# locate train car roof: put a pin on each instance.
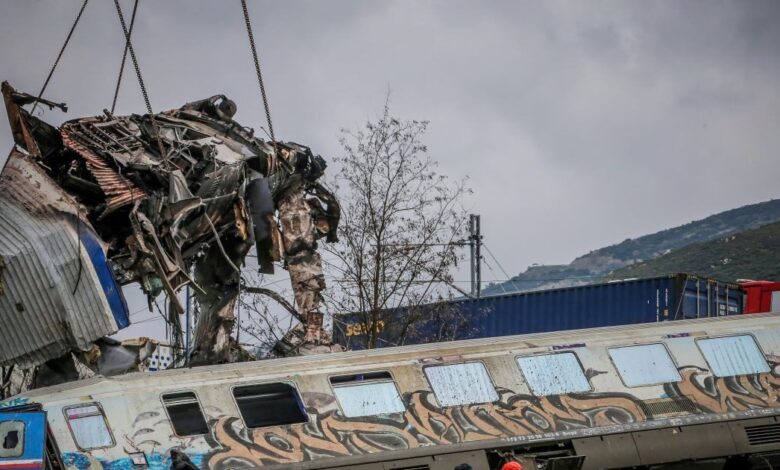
(335, 362)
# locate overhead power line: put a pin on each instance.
(496, 260)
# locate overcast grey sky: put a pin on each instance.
(579, 123)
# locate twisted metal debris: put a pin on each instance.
(179, 198)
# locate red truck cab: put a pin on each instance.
(761, 296)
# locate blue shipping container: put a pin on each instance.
(673, 297)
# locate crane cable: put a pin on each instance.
(259, 75)
(59, 56)
(124, 57)
(129, 46)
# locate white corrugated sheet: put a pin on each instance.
(45, 310)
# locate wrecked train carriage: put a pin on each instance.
(57, 292)
(189, 188)
(695, 393)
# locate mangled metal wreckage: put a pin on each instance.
(166, 200)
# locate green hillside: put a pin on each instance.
(752, 254)
(710, 228)
(597, 264)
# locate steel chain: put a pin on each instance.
(259, 74)
(124, 58)
(129, 44)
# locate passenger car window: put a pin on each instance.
(185, 414)
(11, 439)
(645, 364)
(88, 426)
(733, 355)
(461, 384)
(368, 394)
(553, 374)
(269, 405)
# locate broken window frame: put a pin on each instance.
(446, 364)
(556, 353)
(20, 437)
(196, 401)
(100, 413)
(297, 396)
(369, 378)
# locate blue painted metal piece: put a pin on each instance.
(673, 297)
(155, 461)
(114, 296)
(27, 432)
(13, 402)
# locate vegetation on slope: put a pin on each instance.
(597, 264)
(752, 254)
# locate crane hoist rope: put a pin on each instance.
(124, 57)
(129, 46)
(59, 56)
(259, 72)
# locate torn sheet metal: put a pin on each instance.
(58, 294)
(179, 198)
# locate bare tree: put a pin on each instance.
(401, 225)
(268, 316)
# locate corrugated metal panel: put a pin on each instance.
(119, 190)
(616, 303)
(53, 297)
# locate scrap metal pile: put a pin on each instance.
(165, 200)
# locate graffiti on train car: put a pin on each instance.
(424, 423)
(728, 394)
(331, 434)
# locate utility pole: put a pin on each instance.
(187, 330)
(475, 242)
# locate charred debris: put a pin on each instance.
(164, 200)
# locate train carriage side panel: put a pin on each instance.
(478, 395)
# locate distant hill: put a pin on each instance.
(596, 265)
(752, 254)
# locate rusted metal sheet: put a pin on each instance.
(119, 190)
(57, 293)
